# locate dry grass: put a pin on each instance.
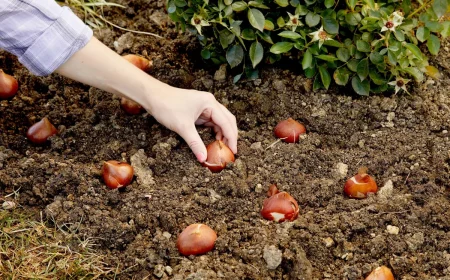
(32, 249)
(93, 14)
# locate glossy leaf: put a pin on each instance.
(257, 4)
(329, 3)
(341, 76)
(268, 25)
(422, 33)
(256, 53)
(362, 46)
(282, 3)
(281, 47)
(343, 54)
(239, 6)
(327, 57)
(325, 77)
(330, 25)
(312, 19)
(363, 69)
(235, 55)
(433, 44)
(289, 34)
(361, 87)
(414, 50)
(256, 19)
(440, 7)
(307, 60)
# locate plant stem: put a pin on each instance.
(423, 6)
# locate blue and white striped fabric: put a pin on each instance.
(42, 34)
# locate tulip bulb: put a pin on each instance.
(360, 185)
(219, 155)
(289, 130)
(8, 85)
(380, 273)
(130, 106)
(140, 62)
(39, 132)
(196, 239)
(117, 174)
(280, 206)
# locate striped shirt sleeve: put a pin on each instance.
(42, 34)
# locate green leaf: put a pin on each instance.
(434, 26)
(415, 50)
(180, 3)
(333, 43)
(326, 57)
(310, 72)
(362, 46)
(370, 3)
(376, 78)
(256, 19)
(307, 60)
(325, 76)
(329, 3)
(433, 44)
(317, 84)
(282, 3)
(353, 18)
(406, 6)
(301, 10)
(281, 22)
(289, 34)
(415, 72)
(237, 78)
(206, 54)
(239, 6)
(376, 58)
(343, 54)
(445, 29)
(226, 38)
(257, 4)
(265, 37)
(440, 7)
(391, 58)
(228, 2)
(330, 25)
(352, 4)
(399, 35)
(352, 64)
(171, 7)
(256, 53)
(361, 87)
(235, 55)
(312, 19)
(281, 47)
(248, 34)
(422, 33)
(341, 76)
(363, 69)
(268, 25)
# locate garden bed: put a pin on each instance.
(402, 139)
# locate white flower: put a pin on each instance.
(320, 36)
(399, 83)
(198, 22)
(293, 21)
(394, 20)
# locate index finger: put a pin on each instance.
(228, 127)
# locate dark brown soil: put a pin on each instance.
(403, 139)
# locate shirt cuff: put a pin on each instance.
(64, 37)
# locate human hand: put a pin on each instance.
(180, 110)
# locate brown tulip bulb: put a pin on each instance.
(196, 239)
(360, 185)
(39, 132)
(130, 106)
(218, 156)
(280, 206)
(381, 273)
(289, 130)
(139, 61)
(8, 85)
(117, 174)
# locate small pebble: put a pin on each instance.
(7, 205)
(258, 188)
(392, 229)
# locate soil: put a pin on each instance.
(403, 140)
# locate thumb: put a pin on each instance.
(190, 135)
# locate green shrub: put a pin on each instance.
(371, 45)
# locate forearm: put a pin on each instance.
(98, 66)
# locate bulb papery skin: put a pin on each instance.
(219, 155)
(8, 86)
(280, 207)
(39, 132)
(117, 174)
(381, 273)
(360, 185)
(289, 130)
(196, 239)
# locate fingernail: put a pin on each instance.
(201, 157)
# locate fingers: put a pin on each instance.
(190, 135)
(228, 126)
